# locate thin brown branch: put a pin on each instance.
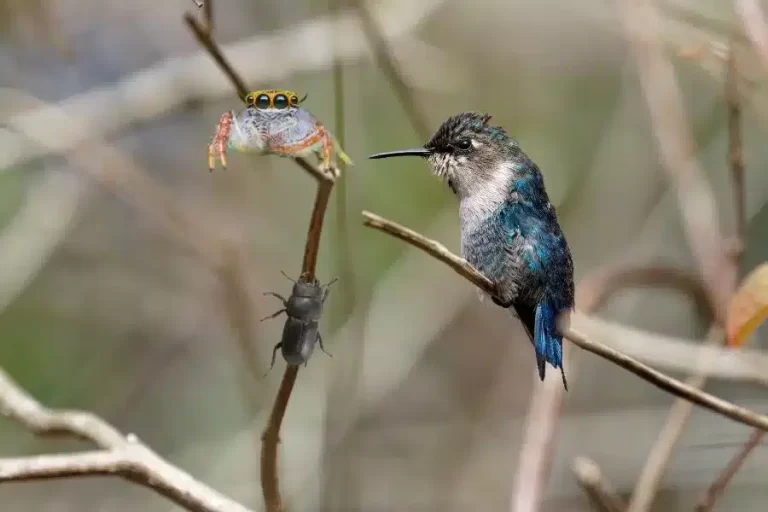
(120, 455)
(388, 64)
(658, 379)
(271, 437)
(600, 492)
(208, 15)
(206, 40)
(270, 484)
(714, 492)
(595, 290)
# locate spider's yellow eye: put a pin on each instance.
(249, 99)
(294, 100)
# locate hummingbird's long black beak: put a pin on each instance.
(423, 152)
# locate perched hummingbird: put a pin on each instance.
(509, 229)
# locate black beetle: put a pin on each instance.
(301, 331)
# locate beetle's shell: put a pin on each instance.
(253, 127)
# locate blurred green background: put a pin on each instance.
(422, 407)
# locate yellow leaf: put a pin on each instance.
(749, 306)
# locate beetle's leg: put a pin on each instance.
(320, 342)
(328, 288)
(218, 145)
(329, 283)
(274, 354)
(273, 315)
(273, 294)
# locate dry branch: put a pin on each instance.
(658, 379)
(669, 435)
(717, 488)
(600, 492)
(677, 149)
(120, 455)
(270, 484)
(595, 290)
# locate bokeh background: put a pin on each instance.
(114, 299)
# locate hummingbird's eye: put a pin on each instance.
(262, 101)
(281, 101)
(464, 144)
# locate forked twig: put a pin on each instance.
(119, 455)
(591, 479)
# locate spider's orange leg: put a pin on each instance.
(218, 145)
(327, 152)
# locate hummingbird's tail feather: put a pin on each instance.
(547, 342)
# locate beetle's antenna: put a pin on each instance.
(330, 283)
(289, 278)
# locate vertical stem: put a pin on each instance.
(736, 146)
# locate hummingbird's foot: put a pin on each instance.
(499, 302)
(218, 145)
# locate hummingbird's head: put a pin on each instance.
(466, 151)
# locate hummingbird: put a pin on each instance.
(509, 228)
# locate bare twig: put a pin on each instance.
(754, 23)
(120, 455)
(206, 40)
(736, 161)
(736, 150)
(658, 379)
(388, 63)
(677, 147)
(709, 499)
(677, 419)
(536, 452)
(594, 483)
(343, 261)
(676, 354)
(718, 263)
(595, 290)
(271, 437)
(208, 15)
